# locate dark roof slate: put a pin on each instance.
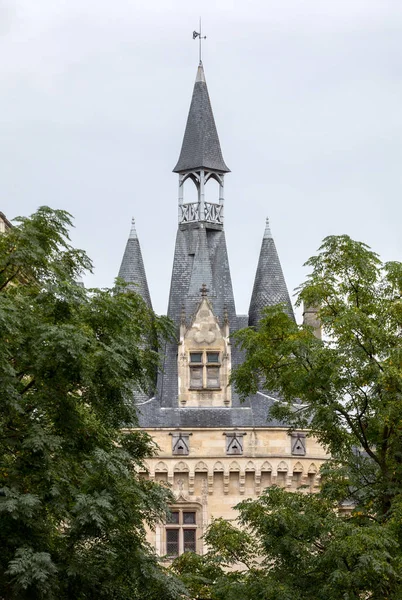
(132, 269)
(255, 413)
(269, 284)
(201, 148)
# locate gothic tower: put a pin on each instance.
(214, 449)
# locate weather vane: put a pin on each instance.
(198, 34)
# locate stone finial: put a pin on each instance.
(200, 74)
(133, 231)
(204, 290)
(311, 318)
(267, 232)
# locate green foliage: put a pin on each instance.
(72, 508)
(301, 549)
(347, 390)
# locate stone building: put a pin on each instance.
(214, 450)
(4, 223)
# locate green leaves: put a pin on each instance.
(30, 569)
(71, 503)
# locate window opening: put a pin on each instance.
(189, 518)
(189, 540)
(196, 357)
(204, 370)
(172, 542)
(181, 532)
(173, 518)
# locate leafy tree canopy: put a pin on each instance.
(347, 390)
(73, 511)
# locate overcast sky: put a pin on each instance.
(307, 97)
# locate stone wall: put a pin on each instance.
(211, 482)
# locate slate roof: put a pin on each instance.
(200, 257)
(201, 148)
(269, 284)
(132, 267)
(253, 414)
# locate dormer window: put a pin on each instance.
(180, 444)
(234, 443)
(298, 443)
(205, 370)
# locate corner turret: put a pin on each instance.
(269, 284)
(132, 269)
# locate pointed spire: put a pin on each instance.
(133, 231)
(201, 148)
(132, 269)
(269, 284)
(267, 232)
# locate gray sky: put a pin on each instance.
(307, 97)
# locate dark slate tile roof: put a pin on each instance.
(269, 284)
(201, 148)
(255, 413)
(132, 267)
(200, 257)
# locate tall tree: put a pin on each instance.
(347, 390)
(73, 510)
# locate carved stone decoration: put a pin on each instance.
(226, 483)
(204, 490)
(257, 481)
(204, 359)
(205, 334)
(266, 466)
(218, 466)
(250, 466)
(161, 467)
(191, 480)
(242, 482)
(181, 467)
(201, 466)
(298, 443)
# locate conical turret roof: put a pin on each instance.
(132, 269)
(201, 148)
(269, 284)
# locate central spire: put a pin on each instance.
(201, 148)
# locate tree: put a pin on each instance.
(73, 509)
(347, 390)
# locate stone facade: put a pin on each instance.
(210, 481)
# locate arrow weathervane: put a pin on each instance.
(198, 34)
